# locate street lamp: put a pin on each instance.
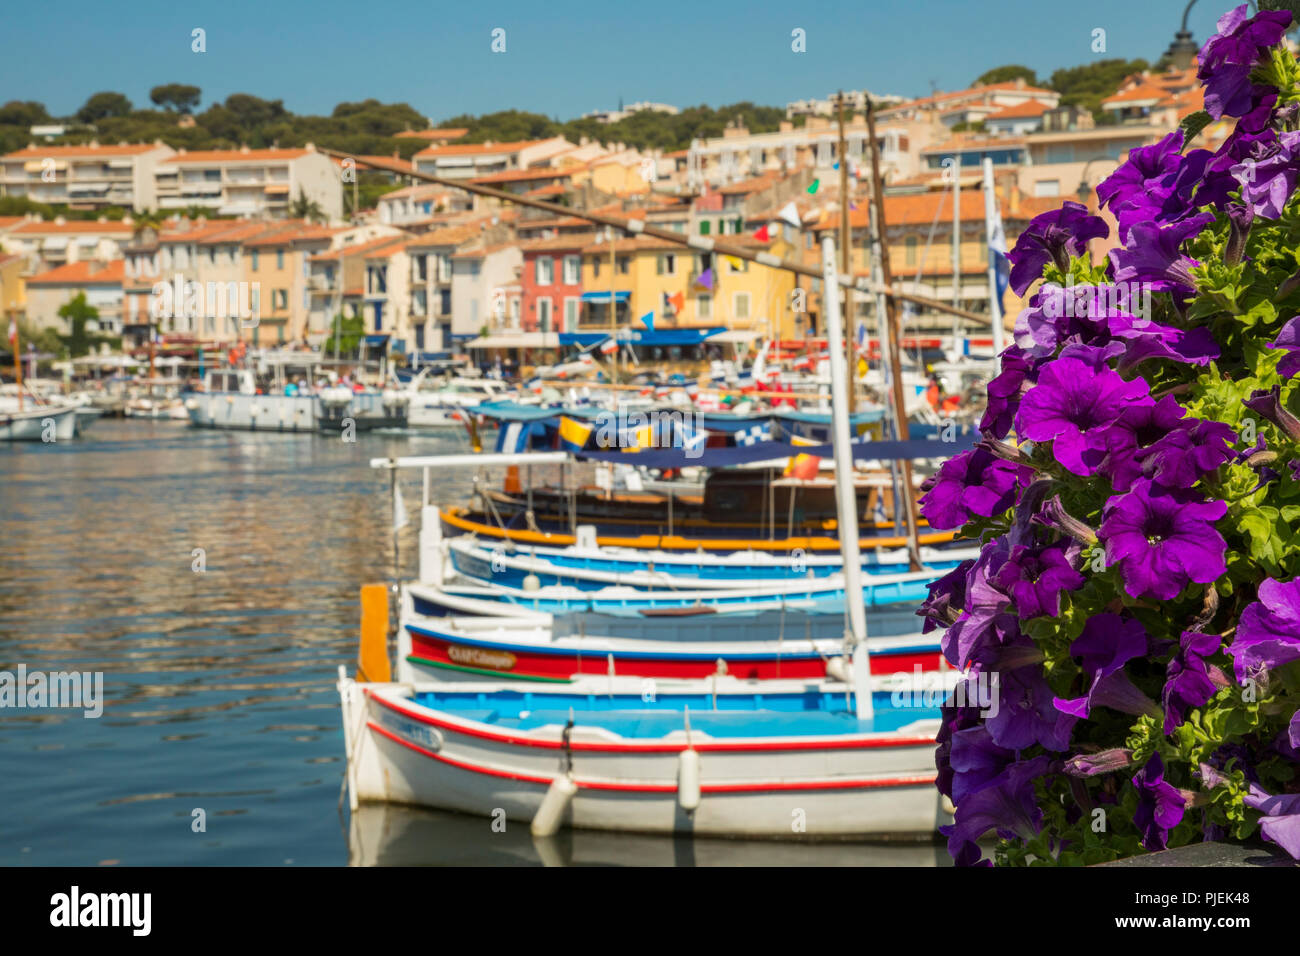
(1084, 192)
(1184, 49)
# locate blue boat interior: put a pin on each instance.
(810, 714)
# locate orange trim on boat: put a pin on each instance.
(455, 517)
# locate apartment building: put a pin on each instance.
(414, 204)
(432, 282)
(13, 290)
(277, 265)
(100, 282)
(250, 182)
(91, 176)
(46, 245)
(551, 282)
(738, 154)
(472, 160)
(485, 289)
(336, 277)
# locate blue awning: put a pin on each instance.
(604, 296)
(423, 357)
(463, 336)
(668, 337)
(374, 340)
(582, 339)
(773, 450)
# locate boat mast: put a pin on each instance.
(995, 304)
(18, 363)
(846, 502)
(891, 311)
(846, 253)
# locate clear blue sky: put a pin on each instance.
(562, 58)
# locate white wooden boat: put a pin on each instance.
(36, 422)
(772, 759)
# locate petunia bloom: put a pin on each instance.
(1073, 405)
(1163, 540)
(1268, 631)
(1227, 58)
(1106, 644)
(973, 483)
(1053, 237)
(1288, 338)
(1160, 804)
(1188, 683)
(1154, 254)
(1281, 821)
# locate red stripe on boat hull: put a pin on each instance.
(563, 666)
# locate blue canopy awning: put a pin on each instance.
(583, 339)
(775, 450)
(667, 337)
(604, 296)
(374, 340)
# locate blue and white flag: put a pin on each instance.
(753, 435)
(879, 516)
(997, 237)
(513, 438)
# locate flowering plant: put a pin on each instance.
(1137, 493)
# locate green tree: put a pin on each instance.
(28, 114)
(177, 96)
(304, 208)
(1089, 84)
(103, 105)
(349, 332)
(1007, 74)
(78, 312)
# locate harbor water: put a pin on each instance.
(211, 577)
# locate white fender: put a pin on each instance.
(550, 814)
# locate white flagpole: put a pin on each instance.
(990, 216)
(845, 494)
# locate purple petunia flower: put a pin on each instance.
(1104, 761)
(1073, 405)
(1136, 190)
(1281, 821)
(1289, 339)
(972, 483)
(1227, 58)
(1268, 631)
(947, 598)
(1160, 804)
(1007, 804)
(1192, 449)
(1268, 403)
(1152, 254)
(1004, 394)
(1026, 712)
(1106, 644)
(1163, 540)
(1053, 237)
(1188, 683)
(1138, 427)
(1268, 182)
(1035, 578)
(975, 760)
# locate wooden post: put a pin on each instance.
(891, 311)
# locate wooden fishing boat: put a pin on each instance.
(776, 759)
(591, 569)
(755, 646)
(457, 520)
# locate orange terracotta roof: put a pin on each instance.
(235, 155)
(347, 251)
(85, 272)
(86, 149)
(449, 236)
(1021, 111)
(483, 251)
(633, 244)
(292, 234)
(8, 221)
(577, 240)
(744, 188)
(240, 233)
(433, 134)
(1143, 91)
(555, 189)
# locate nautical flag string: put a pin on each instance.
(753, 435)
